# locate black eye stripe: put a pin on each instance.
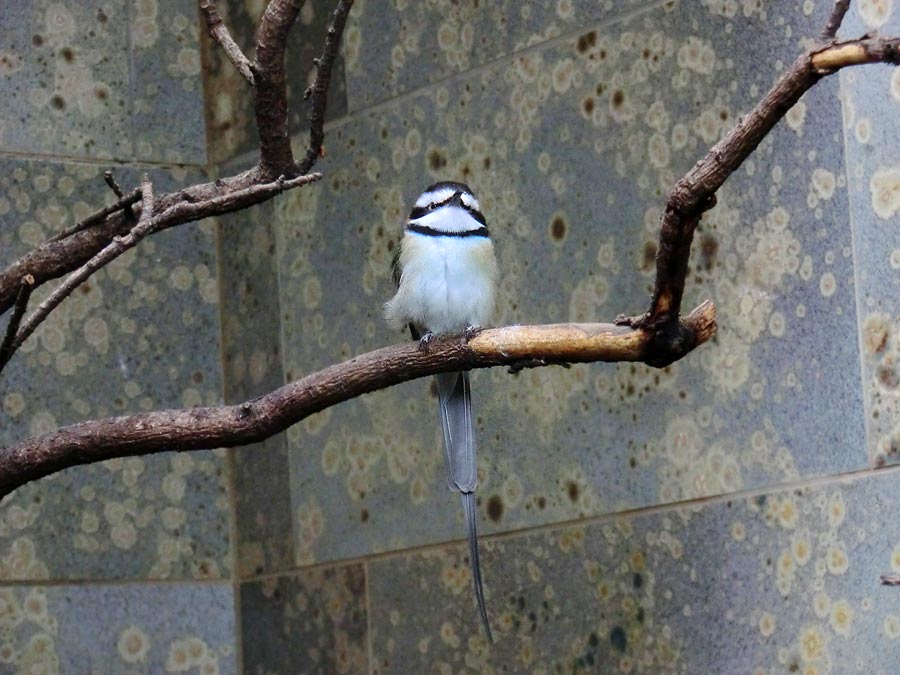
(431, 232)
(476, 214)
(419, 211)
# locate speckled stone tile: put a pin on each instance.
(230, 118)
(871, 113)
(168, 114)
(127, 629)
(142, 334)
(771, 583)
(64, 78)
(571, 150)
(252, 357)
(314, 622)
(428, 41)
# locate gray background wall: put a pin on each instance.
(722, 515)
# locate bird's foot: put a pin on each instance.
(470, 331)
(424, 340)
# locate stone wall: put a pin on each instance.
(722, 515)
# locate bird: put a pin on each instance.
(445, 275)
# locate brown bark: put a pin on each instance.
(259, 418)
(695, 192)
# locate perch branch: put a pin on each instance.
(319, 88)
(218, 31)
(259, 418)
(695, 192)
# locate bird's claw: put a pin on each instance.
(424, 340)
(469, 332)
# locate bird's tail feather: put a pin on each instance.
(458, 426)
(455, 399)
(468, 500)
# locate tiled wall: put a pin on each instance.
(121, 567)
(720, 516)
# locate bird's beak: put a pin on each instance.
(455, 199)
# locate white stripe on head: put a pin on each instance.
(444, 191)
(448, 219)
(434, 196)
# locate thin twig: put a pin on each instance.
(225, 195)
(12, 327)
(835, 20)
(124, 204)
(218, 31)
(181, 212)
(890, 579)
(113, 184)
(119, 192)
(319, 88)
(113, 250)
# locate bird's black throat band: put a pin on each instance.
(432, 232)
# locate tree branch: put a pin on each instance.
(657, 338)
(695, 192)
(6, 349)
(218, 31)
(319, 88)
(117, 247)
(68, 251)
(99, 216)
(259, 418)
(276, 157)
(180, 212)
(835, 20)
(856, 53)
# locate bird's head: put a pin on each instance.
(447, 206)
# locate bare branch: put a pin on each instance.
(218, 31)
(257, 419)
(119, 192)
(117, 247)
(113, 184)
(181, 212)
(695, 192)
(319, 89)
(56, 258)
(99, 216)
(856, 53)
(274, 173)
(275, 155)
(835, 20)
(6, 349)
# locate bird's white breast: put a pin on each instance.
(448, 283)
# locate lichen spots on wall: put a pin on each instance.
(885, 190)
